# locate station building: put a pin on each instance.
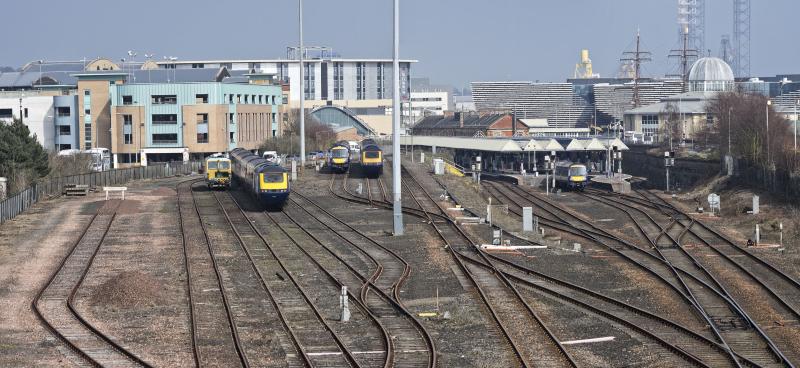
(707, 77)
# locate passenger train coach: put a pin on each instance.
(371, 158)
(267, 181)
(571, 176)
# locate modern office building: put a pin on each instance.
(53, 119)
(143, 123)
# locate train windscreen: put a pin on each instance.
(224, 165)
(372, 154)
(339, 153)
(212, 165)
(273, 177)
(577, 171)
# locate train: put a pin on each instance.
(218, 171)
(371, 158)
(339, 156)
(571, 176)
(266, 181)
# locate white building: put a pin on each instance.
(53, 119)
(463, 103)
(425, 103)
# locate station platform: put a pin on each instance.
(619, 183)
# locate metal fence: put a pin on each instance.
(19, 202)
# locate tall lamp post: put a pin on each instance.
(398, 204)
(769, 103)
(729, 132)
(795, 123)
(20, 107)
(302, 92)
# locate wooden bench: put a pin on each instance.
(115, 189)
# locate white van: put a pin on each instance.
(271, 156)
(354, 147)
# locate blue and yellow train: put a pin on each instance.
(339, 156)
(571, 176)
(267, 181)
(371, 158)
(218, 171)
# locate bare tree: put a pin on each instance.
(670, 130)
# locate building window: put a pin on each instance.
(25, 112)
(87, 133)
(127, 100)
(164, 99)
(64, 130)
(233, 140)
(201, 99)
(254, 66)
(127, 129)
(165, 138)
(202, 128)
(87, 111)
(198, 66)
(338, 81)
(63, 111)
(380, 79)
(649, 119)
(86, 92)
(309, 79)
(6, 113)
(165, 119)
(63, 146)
(361, 82)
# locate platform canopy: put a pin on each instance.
(542, 144)
(517, 144)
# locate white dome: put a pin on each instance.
(710, 74)
(710, 69)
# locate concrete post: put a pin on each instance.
(527, 219)
(3, 188)
(758, 234)
(422, 157)
(343, 305)
(294, 170)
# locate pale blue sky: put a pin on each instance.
(456, 41)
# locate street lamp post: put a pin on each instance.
(769, 103)
(398, 203)
(729, 132)
(20, 107)
(795, 123)
(302, 92)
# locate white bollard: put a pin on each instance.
(294, 170)
(344, 305)
(422, 157)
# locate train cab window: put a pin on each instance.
(372, 154)
(339, 153)
(577, 171)
(224, 165)
(273, 178)
(212, 165)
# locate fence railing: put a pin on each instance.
(21, 201)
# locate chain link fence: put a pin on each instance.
(21, 201)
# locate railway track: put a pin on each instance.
(215, 339)
(691, 346)
(751, 275)
(380, 293)
(534, 343)
(54, 303)
(313, 338)
(700, 289)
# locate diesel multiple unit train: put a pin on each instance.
(339, 156)
(265, 180)
(218, 171)
(570, 176)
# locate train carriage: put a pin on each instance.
(218, 172)
(339, 156)
(371, 158)
(570, 176)
(266, 181)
